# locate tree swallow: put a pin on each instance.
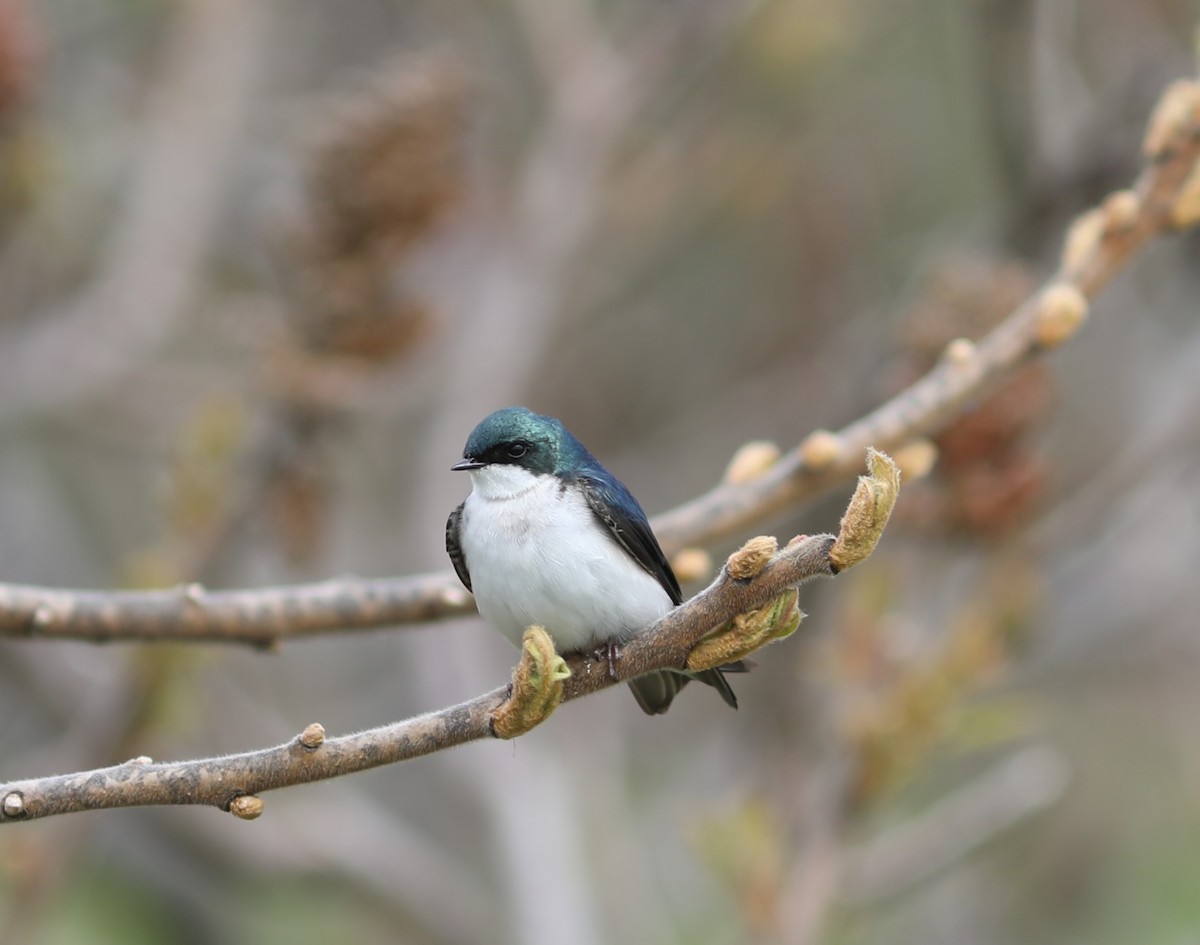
(550, 537)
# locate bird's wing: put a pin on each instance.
(454, 546)
(612, 504)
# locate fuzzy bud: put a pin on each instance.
(749, 560)
(1062, 310)
(960, 352)
(1121, 209)
(692, 564)
(821, 449)
(246, 807)
(1082, 239)
(916, 458)
(1176, 115)
(751, 461)
(868, 512)
(13, 805)
(537, 686)
(1185, 212)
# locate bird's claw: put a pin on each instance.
(609, 652)
(536, 688)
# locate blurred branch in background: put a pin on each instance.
(379, 164)
(1164, 199)
(152, 261)
(1027, 782)
(382, 163)
(989, 477)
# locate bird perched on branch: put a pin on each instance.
(550, 537)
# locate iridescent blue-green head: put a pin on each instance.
(516, 436)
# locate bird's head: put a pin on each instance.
(518, 437)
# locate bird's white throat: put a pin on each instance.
(538, 554)
(501, 481)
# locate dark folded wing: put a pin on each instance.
(623, 517)
(454, 547)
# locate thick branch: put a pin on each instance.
(232, 782)
(263, 616)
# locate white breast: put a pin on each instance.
(538, 555)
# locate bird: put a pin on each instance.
(549, 537)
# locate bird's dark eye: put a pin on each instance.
(517, 450)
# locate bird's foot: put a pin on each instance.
(536, 688)
(748, 632)
(609, 652)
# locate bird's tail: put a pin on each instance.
(655, 691)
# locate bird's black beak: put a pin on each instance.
(467, 464)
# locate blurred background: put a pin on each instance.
(265, 264)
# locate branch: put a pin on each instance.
(262, 617)
(1165, 198)
(233, 782)
(223, 781)
(1006, 795)
(150, 261)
